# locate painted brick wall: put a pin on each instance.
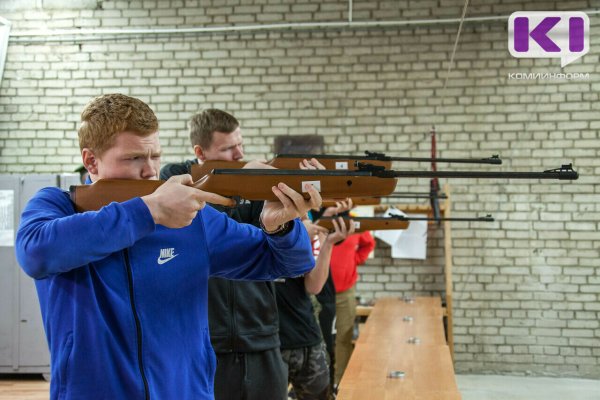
(527, 287)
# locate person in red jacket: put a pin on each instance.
(345, 259)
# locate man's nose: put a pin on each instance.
(149, 169)
(238, 153)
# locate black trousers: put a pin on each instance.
(327, 320)
(251, 376)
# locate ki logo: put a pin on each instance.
(545, 34)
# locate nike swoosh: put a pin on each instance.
(161, 261)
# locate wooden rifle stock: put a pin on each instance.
(357, 201)
(373, 201)
(289, 163)
(362, 224)
(330, 162)
(250, 184)
(255, 184)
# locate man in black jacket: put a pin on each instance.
(243, 316)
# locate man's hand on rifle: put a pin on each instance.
(340, 232)
(340, 207)
(313, 163)
(176, 203)
(291, 205)
(314, 229)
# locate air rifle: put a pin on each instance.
(250, 184)
(330, 162)
(256, 184)
(394, 222)
(373, 201)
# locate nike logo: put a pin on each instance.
(166, 255)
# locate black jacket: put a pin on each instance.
(242, 315)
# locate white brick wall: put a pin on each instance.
(526, 288)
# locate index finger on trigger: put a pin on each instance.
(216, 199)
(184, 179)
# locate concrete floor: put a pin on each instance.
(472, 387)
(496, 387)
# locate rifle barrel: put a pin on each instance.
(566, 172)
(487, 218)
(489, 160)
(408, 195)
(494, 159)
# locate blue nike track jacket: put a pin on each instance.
(124, 301)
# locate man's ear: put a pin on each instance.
(199, 152)
(90, 161)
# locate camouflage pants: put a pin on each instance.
(308, 371)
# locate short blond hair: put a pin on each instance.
(108, 115)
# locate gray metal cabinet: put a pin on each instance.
(23, 346)
(9, 198)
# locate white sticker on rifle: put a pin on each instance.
(356, 224)
(341, 165)
(316, 184)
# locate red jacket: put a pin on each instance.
(346, 257)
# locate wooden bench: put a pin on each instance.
(384, 346)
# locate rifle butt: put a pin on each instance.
(105, 191)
